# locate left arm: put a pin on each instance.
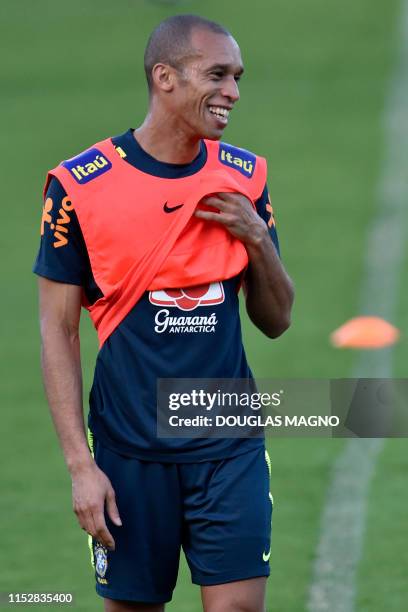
(268, 288)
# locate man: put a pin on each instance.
(142, 229)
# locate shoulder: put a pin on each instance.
(82, 169)
(99, 155)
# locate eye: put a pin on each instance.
(216, 76)
(237, 78)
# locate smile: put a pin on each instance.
(219, 112)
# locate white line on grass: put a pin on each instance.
(343, 519)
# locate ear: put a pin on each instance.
(163, 77)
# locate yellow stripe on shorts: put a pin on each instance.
(268, 463)
(90, 442)
(90, 542)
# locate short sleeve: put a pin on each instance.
(265, 211)
(62, 255)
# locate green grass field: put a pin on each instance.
(312, 102)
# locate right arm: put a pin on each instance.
(60, 273)
(61, 365)
(60, 306)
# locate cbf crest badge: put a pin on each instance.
(101, 560)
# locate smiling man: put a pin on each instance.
(154, 232)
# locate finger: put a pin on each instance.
(102, 533)
(206, 214)
(235, 199)
(112, 508)
(85, 520)
(227, 196)
(97, 534)
(210, 216)
(215, 202)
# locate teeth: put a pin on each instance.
(219, 111)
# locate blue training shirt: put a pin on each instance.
(154, 340)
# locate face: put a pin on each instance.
(206, 88)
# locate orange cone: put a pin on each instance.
(365, 333)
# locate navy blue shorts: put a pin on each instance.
(219, 511)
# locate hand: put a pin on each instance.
(237, 214)
(90, 488)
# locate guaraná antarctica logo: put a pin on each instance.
(187, 300)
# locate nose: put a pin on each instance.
(230, 89)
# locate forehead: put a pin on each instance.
(213, 48)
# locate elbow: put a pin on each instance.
(55, 329)
(278, 328)
(274, 320)
(282, 320)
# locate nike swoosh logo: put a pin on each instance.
(169, 209)
(265, 556)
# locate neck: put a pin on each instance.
(165, 139)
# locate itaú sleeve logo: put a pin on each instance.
(87, 166)
(190, 298)
(236, 158)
